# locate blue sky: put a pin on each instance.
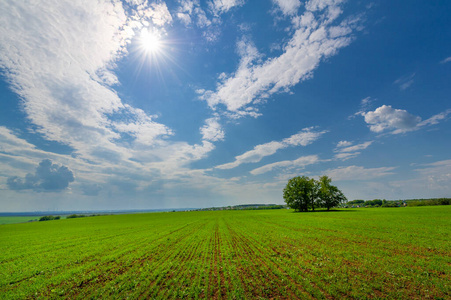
(141, 104)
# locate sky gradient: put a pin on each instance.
(173, 104)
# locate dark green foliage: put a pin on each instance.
(328, 195)
(356, 202)
(49, 218)
(245, 207)
(300, 193)
(304, 193)
(429, 202)
(398, 203)
(374, 202)
(75, 216)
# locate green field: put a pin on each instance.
(398, 253)
(17, 219)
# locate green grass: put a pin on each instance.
(17, 219)
(394, 253)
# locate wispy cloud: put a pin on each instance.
(365, 105)
(405, 81)
(302, 138)
(446, 60)
(315, 38)
(190, 13)
(343, 144)
(300, 162)
(358, 173)
(346, 150)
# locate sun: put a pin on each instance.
(150, 41)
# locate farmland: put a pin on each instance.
(402, 253)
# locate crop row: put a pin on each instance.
(230, 255)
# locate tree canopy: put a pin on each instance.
(303, 193)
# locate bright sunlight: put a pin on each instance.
(150, 40)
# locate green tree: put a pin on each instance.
(328, 194)
(300, 193)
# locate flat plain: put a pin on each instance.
(394, 253)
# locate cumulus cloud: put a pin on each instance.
(301, 162)
(288, 7)
(58, 58)
(212, 130)
(314, 39)
(48, 177)
(386, 118)
(358, 173)
(302, 138)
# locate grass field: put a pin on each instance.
(17, 219)
(402, 253)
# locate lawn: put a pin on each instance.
(402, 253)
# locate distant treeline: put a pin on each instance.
(81, 216)
(49, 218)
(246, 207)
(397, 203)
(429, 202)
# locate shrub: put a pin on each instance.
(49, 218)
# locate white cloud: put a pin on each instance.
(398, 120)
(254, 81)
(254, 155)
(60, 59)
(435, 119)
(212, 130)
(354, 148)
(185, 10)
(437, 176)
(302, 138)
(446, 60)
(358, 173)
(301, 162)
(184, 18)
(427, 181)
(223, 6)
(346, 155)
(343, 144)
(388, 118)
(314, 5)
(405, 81)
(158, 13)
(346, 150)
(288, 7)
(60, 51)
